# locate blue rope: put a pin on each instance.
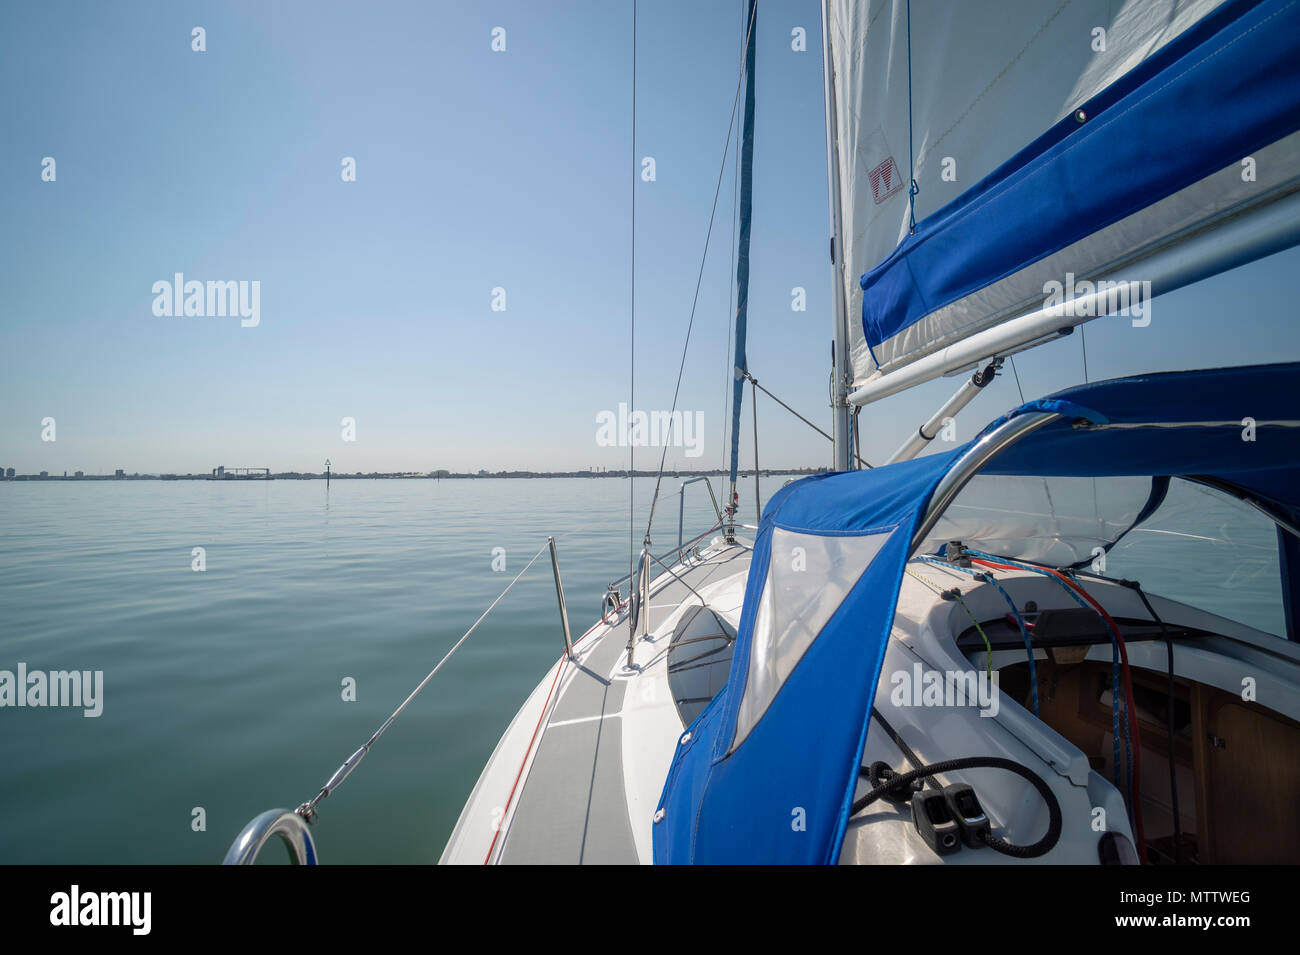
(1118, 712)
(1024, 631)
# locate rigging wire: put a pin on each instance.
(1083, 342)
(631, 447)
(1047, 490)
(754, 381)
(1012, 359)
(308, 809)
(681, 368)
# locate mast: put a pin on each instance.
(841, 367)
(741, 366)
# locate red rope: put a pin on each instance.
(506, 809)
(528, 752)
(1128, 693)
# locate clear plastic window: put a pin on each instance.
(1209, 550)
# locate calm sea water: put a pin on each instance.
(222, 689)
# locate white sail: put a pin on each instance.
(984, 81)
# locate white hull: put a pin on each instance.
(577, 775)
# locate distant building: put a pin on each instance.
(79, 474)
(45, 474)
(119, 473)
(9, 473)
(221, 471)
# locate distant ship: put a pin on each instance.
(241, 474)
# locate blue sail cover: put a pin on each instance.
(773, 782)
(1225, 88)
(741, 363)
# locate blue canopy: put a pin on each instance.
(768, 770)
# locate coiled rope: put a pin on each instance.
(899, 785)
(1132, 736)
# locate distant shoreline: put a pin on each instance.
(410, 475)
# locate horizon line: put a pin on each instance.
(406, 475)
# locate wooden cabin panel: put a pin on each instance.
(1252, 782)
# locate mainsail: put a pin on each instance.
(1044, 139)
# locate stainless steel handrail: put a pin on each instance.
(288, 825)
(681, 505)
(970, 463)
(616, 584)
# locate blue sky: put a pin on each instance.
(475, 169)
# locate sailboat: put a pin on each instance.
(931, 661)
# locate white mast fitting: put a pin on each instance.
(960, 399)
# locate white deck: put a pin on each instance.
(558, 788)
(577, 775)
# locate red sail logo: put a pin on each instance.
(885, 180)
